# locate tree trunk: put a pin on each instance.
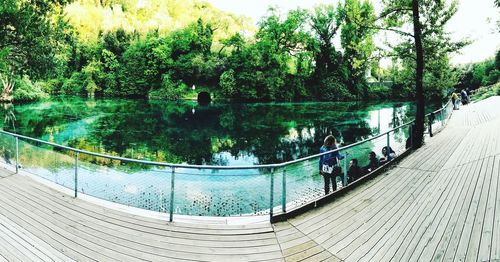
(420, 116)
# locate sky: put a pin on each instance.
(475, 19)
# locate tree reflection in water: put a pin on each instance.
(217, 134)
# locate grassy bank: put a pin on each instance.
(486, 91)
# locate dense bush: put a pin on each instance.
(75, 85)
(169, 89)
(26, 90)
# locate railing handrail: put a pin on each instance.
(188, 166)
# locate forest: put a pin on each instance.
(162, 49)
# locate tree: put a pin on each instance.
(31, 31)
(427, 41)
(356, 37)
(279, 41)
(325, 21)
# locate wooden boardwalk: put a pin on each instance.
(441, 203)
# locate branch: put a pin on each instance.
(389, 29)
(389, 12)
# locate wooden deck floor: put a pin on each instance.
(442, 203)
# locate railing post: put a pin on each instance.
(271, 195)
(172, 188)
(388, 146)
(76, 174)
(442, 118)
(283, 192)
(412, 127)
(344, 182)
(17, 154)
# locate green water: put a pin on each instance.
(218, 134)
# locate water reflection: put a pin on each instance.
(217, 134)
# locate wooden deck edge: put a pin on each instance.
(334, 195)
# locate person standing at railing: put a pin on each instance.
(329, 163)
(454, 100)
(465, 97)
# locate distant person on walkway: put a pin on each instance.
(387, 155)
(329, 163)
(354, 172)
(454, 100)
(374, 163)
(465, 97)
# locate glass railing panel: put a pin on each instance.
(52, 163)
(212, 192)
(127, 183)
(8, 150)
(304, 183)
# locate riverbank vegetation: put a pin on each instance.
(162, 49)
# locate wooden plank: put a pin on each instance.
(317, 217)
(341, 226)
(479, 247)
(391, 210)
(440, 245)
(31, 242)
(140, 250)
(322, 256)
(305, 254)
(54, 230)
(434, 234)
(393, 250)
(298, 247)
(104, 226)
(429, 226)
(388, 236)
(343, 217)
(11, 251)
(452, 241)
(162, 230)
(411, 219)
(474, 213)
(495, 242)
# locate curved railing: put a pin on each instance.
(197, 190)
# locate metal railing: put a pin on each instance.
(193, 189)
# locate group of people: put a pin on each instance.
(464, 98)
(330, 168)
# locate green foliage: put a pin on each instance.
(378, 91)
(438, 77)
(26, 90)
(357, 39)
(52, 86)
(475, 75)
(91, 18)
(487, 91)
(75, 85)
(169, 89)
(128, 48)
(332, 90)
(31, 32)
(228, 83)
(325, 21)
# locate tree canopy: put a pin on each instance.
(160, 49)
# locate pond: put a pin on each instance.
(218, 134)
(185, 132)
